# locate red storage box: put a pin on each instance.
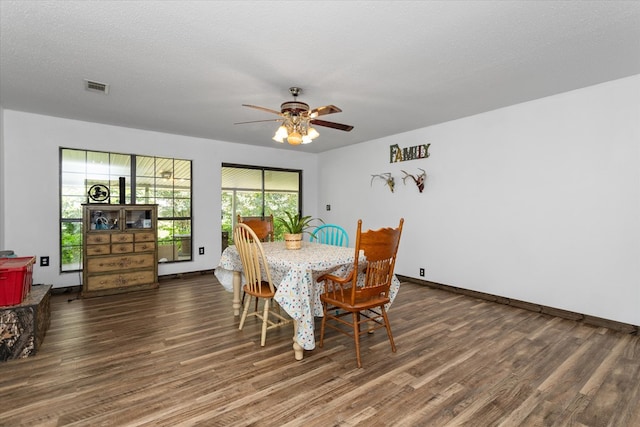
(16, 278)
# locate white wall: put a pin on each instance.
(31, 186)
(538, 202)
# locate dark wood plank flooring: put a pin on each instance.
(174, 357)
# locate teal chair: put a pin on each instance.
(330, 234)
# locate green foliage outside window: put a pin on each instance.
(247, 191)
(71, 243)
(250, 204)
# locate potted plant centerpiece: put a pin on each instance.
(296, 226)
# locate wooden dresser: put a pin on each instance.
(120, 251)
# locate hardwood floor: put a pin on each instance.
(173, 357)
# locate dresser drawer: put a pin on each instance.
(122, 248)
(122, 238)
(119, 280)
(97, 239)
(145, 247)
(115, 263)
(98, 250)
(145, 237)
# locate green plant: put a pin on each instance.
(296, 224)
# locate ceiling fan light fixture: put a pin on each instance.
(282, 132)
(312, 133)
(294, 138)
(296, 118)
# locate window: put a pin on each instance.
(258, 191)
(155, 180)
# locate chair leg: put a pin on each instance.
(242, 302)
(265, 321)
(388, 326)
(356, 335)
(244, 313)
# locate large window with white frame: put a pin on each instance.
(148, 179)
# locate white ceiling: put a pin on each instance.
(185, 67)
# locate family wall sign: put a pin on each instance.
(397, 154)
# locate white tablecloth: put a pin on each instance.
(294, 273)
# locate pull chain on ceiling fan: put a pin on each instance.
(297, 119)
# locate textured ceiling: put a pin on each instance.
(185, 67)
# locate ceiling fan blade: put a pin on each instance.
(268, 110)
(258, 121)
(333, 125)
(321, 111)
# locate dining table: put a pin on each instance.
(294, 273)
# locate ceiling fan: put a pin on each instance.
(297, 118)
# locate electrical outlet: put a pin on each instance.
(422, 272)
(328, 207)
(201, 251)
(44, 261)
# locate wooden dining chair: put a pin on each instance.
(359, 298)
(330, 234)
(258, 281)
(261, 225)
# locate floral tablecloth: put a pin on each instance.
(294, 273)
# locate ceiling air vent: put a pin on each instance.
(96, 87)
